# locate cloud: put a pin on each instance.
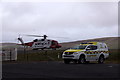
(84, 19)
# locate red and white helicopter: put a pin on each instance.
(41, 43)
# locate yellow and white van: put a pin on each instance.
(85, 52)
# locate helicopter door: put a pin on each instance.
(42, 44)
(46, 44)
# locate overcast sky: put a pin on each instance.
(71, 20)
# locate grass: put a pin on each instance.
(114, 56)
(48, 55)
(52, 55)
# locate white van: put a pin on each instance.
(85, 52)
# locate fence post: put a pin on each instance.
(10, 55)
(15, 54)
(27, 55)
(58, 55)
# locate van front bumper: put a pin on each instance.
(70, 56)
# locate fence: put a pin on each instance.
(7, 55)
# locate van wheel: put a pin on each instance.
(101, 59)
(82, 60)
(66, 61)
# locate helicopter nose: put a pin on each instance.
(59, 46)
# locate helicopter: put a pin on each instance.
(42, 44)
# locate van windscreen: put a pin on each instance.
(79, 47)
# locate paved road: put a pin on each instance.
(59, 70)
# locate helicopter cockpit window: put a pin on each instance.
(53, 43)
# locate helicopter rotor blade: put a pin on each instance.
(45, 36)
(34, 35)
(60, 37)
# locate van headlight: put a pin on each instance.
(75, 53)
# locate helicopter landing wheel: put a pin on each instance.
(42, 49)
(53, 48)
(34, 49)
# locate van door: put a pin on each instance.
(91, 52)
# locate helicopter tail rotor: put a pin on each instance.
(20, 39)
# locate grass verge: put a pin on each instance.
(55, 55)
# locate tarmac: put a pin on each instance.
(57, 69)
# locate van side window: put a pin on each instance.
(101, 46)
(92, 47)
(105, 46)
